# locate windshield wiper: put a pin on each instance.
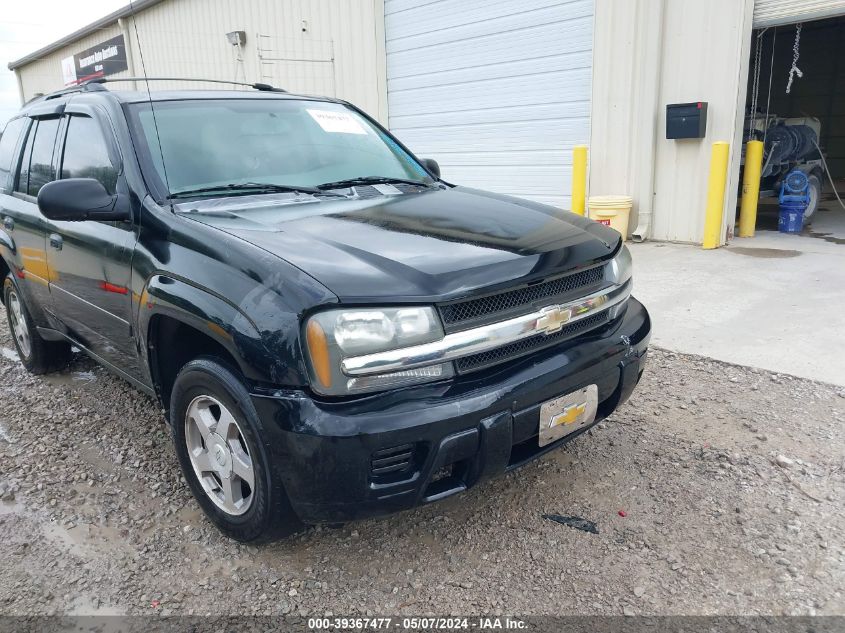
(252, 187)
(370, 180)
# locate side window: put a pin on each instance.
(8, 145)
(41, 163)
(23, 175)
(86, 154)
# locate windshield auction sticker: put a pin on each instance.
(337, 122)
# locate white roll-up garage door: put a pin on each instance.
(497, 91)
(776, 12)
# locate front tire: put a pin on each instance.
(37, 355)
(219, 442)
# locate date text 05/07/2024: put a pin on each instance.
(417, 623)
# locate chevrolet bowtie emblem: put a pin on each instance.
(552, 319)
(569, 415)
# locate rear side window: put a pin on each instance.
(8, 156)
(86, 153)
(41, 164)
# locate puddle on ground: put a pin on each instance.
(765, 253)
(9, 354)
(4, 435)
(827, 237)
(70, 378)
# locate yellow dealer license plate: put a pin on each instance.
(563, 415)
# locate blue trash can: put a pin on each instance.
(791, 218)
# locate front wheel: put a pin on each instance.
(218, 439)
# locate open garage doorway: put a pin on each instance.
(796, 106)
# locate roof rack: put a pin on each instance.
(70, 89)
(96, 85)
(257, 86)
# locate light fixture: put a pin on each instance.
(236, 38)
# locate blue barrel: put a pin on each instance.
(791, 218)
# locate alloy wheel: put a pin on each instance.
(219, 455)
(20, 330)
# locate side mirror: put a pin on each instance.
(79, 199)
(431, 165)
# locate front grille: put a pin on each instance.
(528, 345)
(390, 461)
(520, 300)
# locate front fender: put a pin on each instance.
(217, 318)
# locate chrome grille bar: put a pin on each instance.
(548, 320)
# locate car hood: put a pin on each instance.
(435, 245)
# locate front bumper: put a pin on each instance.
(387, 452)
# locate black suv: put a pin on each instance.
(334, 331)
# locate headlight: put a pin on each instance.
(618, 272)
(620, 269)
(334, 335)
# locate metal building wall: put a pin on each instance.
(653, 53)
(306, 46)
(627, 52)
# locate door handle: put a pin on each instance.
(56, 241)
(8, 223)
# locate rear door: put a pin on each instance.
(89, 262)
(10, 157)
(23, 221)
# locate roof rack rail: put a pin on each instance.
(64, 91)
(257, 86)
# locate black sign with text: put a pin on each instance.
(101, 60)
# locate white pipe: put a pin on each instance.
(649, 102)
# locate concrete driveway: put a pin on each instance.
(773, 301)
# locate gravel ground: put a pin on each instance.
(716, 490)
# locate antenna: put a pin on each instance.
(149, 96)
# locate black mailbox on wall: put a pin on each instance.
(686, 120)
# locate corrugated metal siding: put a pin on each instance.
(627, 53)
(692, 70)
(497, 92)
(188, 38)
(775, 12)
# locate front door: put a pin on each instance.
(89, 262)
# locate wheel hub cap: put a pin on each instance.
(222, 457)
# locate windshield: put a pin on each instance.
(211, 143)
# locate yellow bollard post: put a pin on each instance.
(750, 188)
(715, 194)
(579, 179)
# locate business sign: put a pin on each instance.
(101, 60)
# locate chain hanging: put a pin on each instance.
(794, 70)
(755, 87)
